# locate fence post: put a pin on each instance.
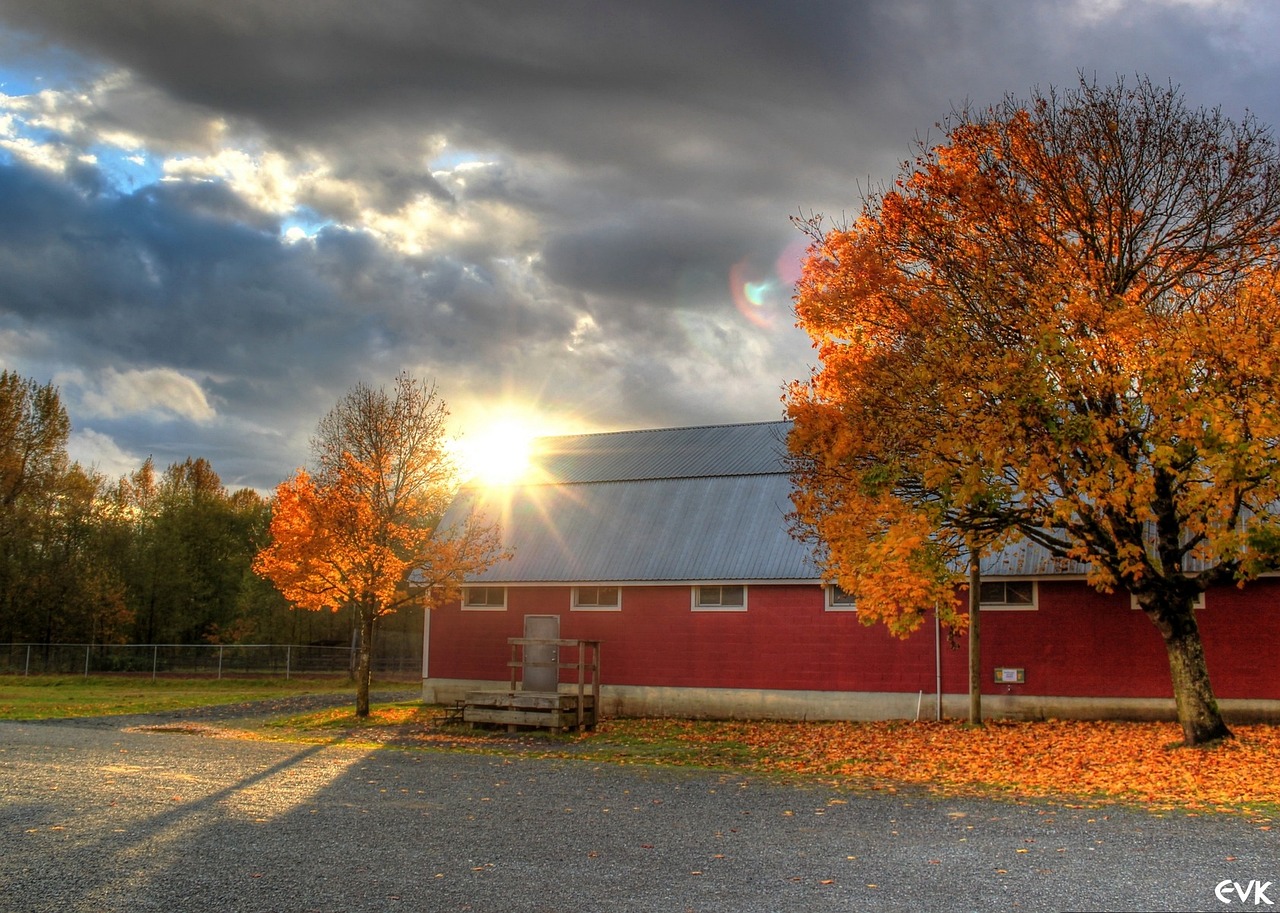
(155, 660)
(27, 669)
(288, 655)
(87, 648)
(219, 662)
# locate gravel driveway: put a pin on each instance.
(112, 815)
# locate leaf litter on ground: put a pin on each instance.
(1072, 762)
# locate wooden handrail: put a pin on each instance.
(581, 664)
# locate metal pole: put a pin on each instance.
(27, 669)
(288, 655)
(426, 645)
(155, 660)
(87, 648)
(219, 662)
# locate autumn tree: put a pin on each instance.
(82, 559)
(362, 530)
(1062, 323)
(33, 461)
(53, 581)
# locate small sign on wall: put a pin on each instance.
(1006, 676)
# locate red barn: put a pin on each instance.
(672, 548)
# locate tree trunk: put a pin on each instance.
(364, 664)
(975, 639)
(1198, 711)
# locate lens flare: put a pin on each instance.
(763, 294)
(751, 296)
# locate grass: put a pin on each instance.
(39, 697)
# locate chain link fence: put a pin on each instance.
(212, 660)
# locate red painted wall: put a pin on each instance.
(1076, 643)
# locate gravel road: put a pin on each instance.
(142, 814)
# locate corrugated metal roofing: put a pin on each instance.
(663, 453)
(1024, 558)
(724, 528)
(671, 504)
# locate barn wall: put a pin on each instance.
(784, 640)
(1078, 644)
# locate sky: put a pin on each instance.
(218, 217)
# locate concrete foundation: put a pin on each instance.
(761, 704)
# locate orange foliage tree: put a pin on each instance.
(1060, 323)
(363, 531)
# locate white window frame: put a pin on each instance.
(576, 606)
(1031, 606)
(698, 605)
(1197, 605)
(837, 600)
(485, 606)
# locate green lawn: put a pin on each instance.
(57, 697)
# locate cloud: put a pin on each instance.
(98, 452)
(153, 392)
(216, 217)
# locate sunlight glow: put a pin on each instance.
(499, 454)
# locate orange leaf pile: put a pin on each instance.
(1092, 762)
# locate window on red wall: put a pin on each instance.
(1198, 603)
(721, 597)
(1008, 594)
(597, 598)
(840, 601)
(484, 598)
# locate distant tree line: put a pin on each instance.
(153, 557)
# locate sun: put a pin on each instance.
(500, 453)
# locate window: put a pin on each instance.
(484, 598)
(1008, 594)
(840, 601)
(1197, 604)
(597, 598)
(729, 598)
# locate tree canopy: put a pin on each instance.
(363, 531)
(145, 558)
(1059, 323)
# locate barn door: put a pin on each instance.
(541, 663)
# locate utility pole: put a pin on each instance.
(975, 641)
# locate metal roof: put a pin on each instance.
(663, 453)
(723, 528)
(675, 504)
(690, 504)
(1024, 558)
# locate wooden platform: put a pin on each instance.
(545, 710)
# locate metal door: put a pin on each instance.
(541, 662)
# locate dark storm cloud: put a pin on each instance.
(644, 84)
(667, 255)
(175, 269)
(158, 271)
(558, 200)
(174, 276)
